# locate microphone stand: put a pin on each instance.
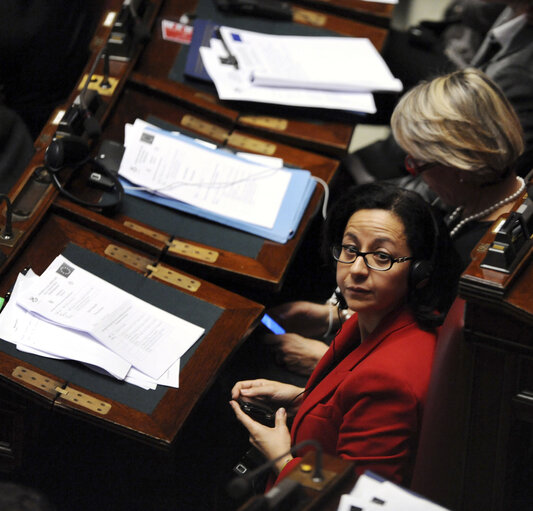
(240, 487)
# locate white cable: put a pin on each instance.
(326, 195)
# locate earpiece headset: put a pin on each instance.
(73, 151)
(341, 301)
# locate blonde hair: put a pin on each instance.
(460, 120)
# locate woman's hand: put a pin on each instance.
(297, 353)
(272, 392)
(272, 442)
(305, 318)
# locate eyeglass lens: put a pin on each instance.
(375, 260)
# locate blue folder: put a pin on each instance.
(204, 30)
(297, 196)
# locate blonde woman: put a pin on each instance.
(463, 138)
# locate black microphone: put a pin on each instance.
(140, 31)
(241, 486)
(105, 83)
(91, 102)
(79, 120)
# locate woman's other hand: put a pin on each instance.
(299, 354)
(305, 318)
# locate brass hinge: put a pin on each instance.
(127, 257)
(173, 277)
(68, 394)
(308, 17)
(205, 128)
(145, 230)
(252, 144)
(35, 379)
(272, 123)
(84, 400)
(193, 251)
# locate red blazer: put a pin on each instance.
(368, 408)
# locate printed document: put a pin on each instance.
(33, 335)
(148, 338)
(373, 493)
(222, 183)
(326, 63)
(235, 84)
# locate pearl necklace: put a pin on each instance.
(486, 211)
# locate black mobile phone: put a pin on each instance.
(259, 412)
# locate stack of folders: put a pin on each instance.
(373, 493)
(258, 196)
(68, 313)
(307, 71)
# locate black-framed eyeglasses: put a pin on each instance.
(414, 168)
(379, 261)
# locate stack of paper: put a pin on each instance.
(325, 72)
(185, 174)
(69, 313)
(373, 493)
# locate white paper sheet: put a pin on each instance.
(372, 492)
(212, 180)
(326, 63)
(33, 335)
(149, 338)
(235, 84)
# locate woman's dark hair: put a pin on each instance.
(427, 239)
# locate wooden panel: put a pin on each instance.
(267, 270)
(301, 128)
(238, 317)
(498, 322)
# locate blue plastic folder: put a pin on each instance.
(294, 203)
(204, 30)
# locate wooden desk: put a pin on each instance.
(45, 225)
(301, 127)
(262, 266)
(498, 326)
(161, 413)
(205, 247)
(339, 478)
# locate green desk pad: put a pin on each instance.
(165, 297)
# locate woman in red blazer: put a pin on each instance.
(364, 401)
